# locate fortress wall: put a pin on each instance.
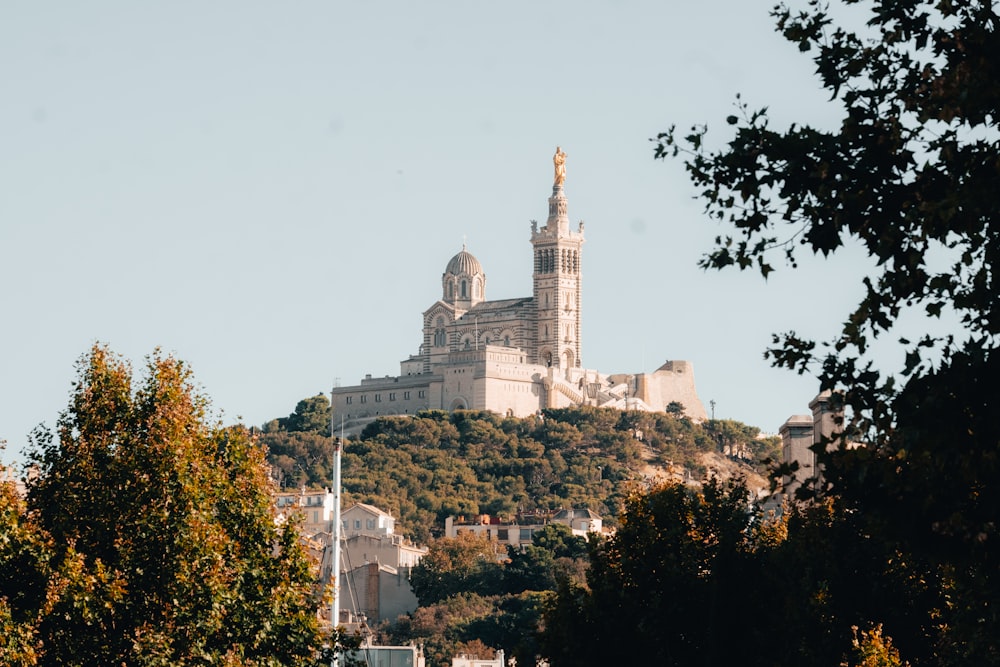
(673, 381)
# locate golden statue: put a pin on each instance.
(559, 160)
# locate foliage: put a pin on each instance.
(426, 467)
(299, 458)
(872, 649)
(909, 176)
(299, 446)
(470, 598)
(464, 564)
(666, 586)
(153, 532)
(24, 571)
(441, 628)
(311, 415)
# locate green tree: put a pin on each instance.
(24, 572)
(299, 458)
(531, 568)
(467, 563)
(559, 540)
(668, 585)
(164, 547)
(731, 437)
(311, 415)
(909, 175)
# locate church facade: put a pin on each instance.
(513, 356)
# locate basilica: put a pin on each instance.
(513, 356)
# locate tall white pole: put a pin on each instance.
(335, 532)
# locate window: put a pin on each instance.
(357, 524)
(502, 534)
(406, 395)
(349, 400)
(315, 517)
(345, 523)
(364, 398)
(392, 396)
(506, 341)
(370, 524)
(378, 398)
(464, 288)
(525, 535)
(422, 394)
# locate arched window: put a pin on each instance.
(506, 341)
(451, 290)
(464, 288)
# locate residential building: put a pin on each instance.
(377, 592)
(520, 530)
(466, 660)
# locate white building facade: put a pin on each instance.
(513, 356)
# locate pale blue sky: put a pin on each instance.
(272, 190)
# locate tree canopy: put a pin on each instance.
(910, 175)
(147, 536)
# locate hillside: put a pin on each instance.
(435, 464)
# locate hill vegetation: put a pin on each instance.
(435, 464)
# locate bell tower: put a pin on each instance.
(557, 279)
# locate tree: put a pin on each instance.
(311, 415)
(910, 176)
(668, 586)
(162, 544)
(558, 538)
(464, 564)
(299, 458)
(24, 571)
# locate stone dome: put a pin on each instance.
(464, 262)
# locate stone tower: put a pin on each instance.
(557, 279)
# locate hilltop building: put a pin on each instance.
(513, 356)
